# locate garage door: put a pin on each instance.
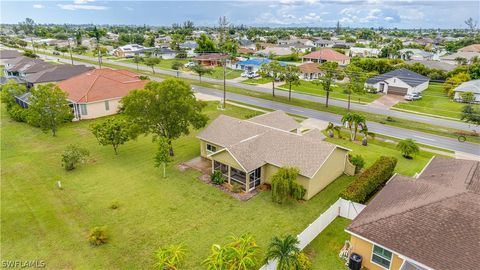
(392, 90)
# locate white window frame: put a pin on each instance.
(83, 109)
(207, 145)
(391, 258)
(107, 105)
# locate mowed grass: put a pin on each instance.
(309, 87)
(435, 102)
(256, 81)
(39, 221)
(164, 63)
(324, 249)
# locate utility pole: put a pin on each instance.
(224, 82)
(70, 49)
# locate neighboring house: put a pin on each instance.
(7, 55)
(310, 71)
(211, 59)
(363, 52)
(298, 47)
(324, 55)
(470, 86)
(470, 48)
(253, 64)
(164, 53)
(323, 43)
(435, 64)
(247, 44)
(415, 54)
(428, 222)
(242, 50)
(56, 73)
(452, 58)
(22, 66)
(398, 82)
(249, 152)
(131, 50)
(275, 51)
(189, 47)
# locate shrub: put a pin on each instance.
(390, 119)
(170, 257)
(236, 188)
(304, 262)
(98, 236)
(284, 185)
(143, 77)
(357, 161)
(114, 205)
(370, 180)
(217, 177)
(298, 191)
(72, 156)
(18, 113)
(408, 147)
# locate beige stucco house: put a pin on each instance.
(398, 82)
(248, 152)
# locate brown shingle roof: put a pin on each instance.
(253, 144)
(101, 84)
(57, 73)
(433, 220)
(470, 48)
(276, 119)
(9, 54)
(309, 67)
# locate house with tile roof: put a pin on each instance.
(248, 152)
(97, 93)
(428, 222)
(310, 71)
(398, 82)
(326, 54)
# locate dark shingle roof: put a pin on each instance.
(57, 73)
(409, 77)
(9, 54)
(433, 220)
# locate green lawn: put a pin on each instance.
(258, 80)
(309, 87)
(324, 249)
(39, 221)
(434, 102)
(164, 63)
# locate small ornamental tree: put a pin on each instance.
(177, 66)
(48, 107)
(201, 70)
(470, 115)
(408, 147)
(274, 71)
(353, 121)
(239, 254)
(74, 155)
(137, 59)
(285, 251)
(170, 257)
(292, 77)
(113, 131)
(163, 154)
(284, 185)
(152, 62)
(467, 97)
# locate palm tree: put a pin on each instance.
(285, 251)
(292, 77)
(353, 120)
(408, 147)
(330, 128)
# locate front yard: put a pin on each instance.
(308, 87)
(164, 63)
(435, 102)
(257, 81)
(40, 221)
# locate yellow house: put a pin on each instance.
(248, 152)
(428, 222)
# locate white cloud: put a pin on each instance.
(81, 7)
(38, 6)
(80, 2)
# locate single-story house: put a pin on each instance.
(297, 47)
(275, 51)
(414, 54)
(470, 48)
(56, 73)
(323, 43)
(398, 82)
(189, 47)
(248, 152)
(324, 55)
(97, 93)
(164, 53)
(310, 71)
(211, 59)
(452, 58)
(23, 66)
(423, 223)
(435, 64)
(131, 50)
(8, 54)
(362, 52)
(253, 64)
(470, 86)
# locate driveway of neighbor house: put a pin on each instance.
(311, 123)
(386, 101)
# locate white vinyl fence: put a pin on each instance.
(341, 207)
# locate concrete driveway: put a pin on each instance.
(386, 101)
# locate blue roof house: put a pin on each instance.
(254, 64)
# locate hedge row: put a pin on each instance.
(370, 180)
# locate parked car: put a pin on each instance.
(413, 96)
(252, 75)
(56, 53)
(189, 64)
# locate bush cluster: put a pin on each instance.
(284, 185)
(98, 236)
(357, 161)
(217, 177)
(370, 180)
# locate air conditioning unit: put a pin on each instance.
(355, 262)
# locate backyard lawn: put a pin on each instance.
(434, 102)
(40, 221)
(310, 87)
(324, 249)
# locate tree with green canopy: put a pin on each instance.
(292, 77)
(201, 70)
(353, 120)
(285, 251)
(165, 109)
(330, 73)
(152, 62)
(274, 71)
(113, 131)
(408, 147)
(162, 157)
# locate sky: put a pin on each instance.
(282, 13)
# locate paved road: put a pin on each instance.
(424, 138)
(335, 102)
